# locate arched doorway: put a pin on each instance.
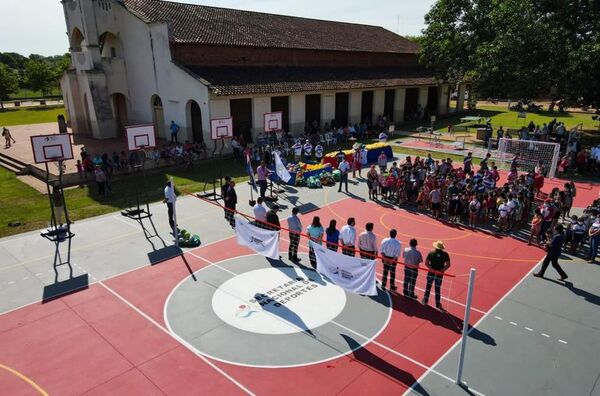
(195, 121)
(158, 117)
(119, 102)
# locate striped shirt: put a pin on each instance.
(367, 241)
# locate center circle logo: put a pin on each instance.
(277, 301)
(252, 312)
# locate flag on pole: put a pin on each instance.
(250, 171)
(281, 170)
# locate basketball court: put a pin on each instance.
(134, 314)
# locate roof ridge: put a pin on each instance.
(273, 14)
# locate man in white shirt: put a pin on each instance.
(297, 148)
(503, 212)
(390, 250)
(170, 198)
(260, 212)
(344, 168)
(348, 237)
(367, 243)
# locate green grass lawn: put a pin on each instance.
(33, 115)
(19, 202)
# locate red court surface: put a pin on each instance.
(111, 338)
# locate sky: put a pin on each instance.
(38, 26)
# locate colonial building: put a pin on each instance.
(152, 61)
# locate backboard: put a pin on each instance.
(140, 136)
(273, 121)
(51, 148)
(221, 128)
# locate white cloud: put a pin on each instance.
(38, 26)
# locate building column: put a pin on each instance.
(378, 104)
(443, 92)
(327, 108)
(260, 106)
(423, 96)
(297, 114)
(460, 100)
(399, 104)
(354, 107)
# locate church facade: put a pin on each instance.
(153, 61)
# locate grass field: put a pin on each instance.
(32, 115)
(19, 202)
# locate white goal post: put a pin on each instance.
(530, 153)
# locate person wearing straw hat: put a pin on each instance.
(437, 261)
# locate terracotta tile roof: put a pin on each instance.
(224, 81)
(189, 23)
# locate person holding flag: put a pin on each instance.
(280, 169)
(250, 172)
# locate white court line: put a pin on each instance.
(545, 335)
(562, 342)
(137, 227)
(513, 323)
(418, 381)
(498, 317)
(528, 329)
(182, 342)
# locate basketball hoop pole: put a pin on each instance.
(175, 233)
(465, 333)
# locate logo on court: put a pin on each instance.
(244, 311)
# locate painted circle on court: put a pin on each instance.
(251, 311)
(289, 301)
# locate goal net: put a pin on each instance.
(528, 153)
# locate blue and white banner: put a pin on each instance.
(352, 274)
(265, 242)
(281, 170)
(250, 172)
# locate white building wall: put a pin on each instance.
(219, 108)
(378, 103)
(297, 113)
(399, 104)
(354, 106)
(260, 106)
(327, 107)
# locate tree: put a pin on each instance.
(516, 48)
(9, 83)
(40, 76)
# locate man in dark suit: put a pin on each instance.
(273, 219)
(554, 248)
(230, 202)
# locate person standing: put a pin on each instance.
(224, 189)
(437, 261)
(100, 177)
(59, 205)
(236, 146)
(390, 250)
(8, 139)
(412, 258)
(594, 234)
(297, 149)
(343, 167)
(554, 247)
(435, 197)
(348, 237)
(468, 163)
(315, 233)
(356, 162)
(295, 229)
(367, 243)
(230, 203)
(262, 172)
(170, 199)
(260, 213)
(319, 152)
(174, 130)
(332, 236)
(273, 219)
(307, 151)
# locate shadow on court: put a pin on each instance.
(587, 296)
(63, 288)
(374, 362)
(308, 272)
(413, 308)
(278, 309)
(168, 252)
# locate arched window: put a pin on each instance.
(76, 40)
(110, 46)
